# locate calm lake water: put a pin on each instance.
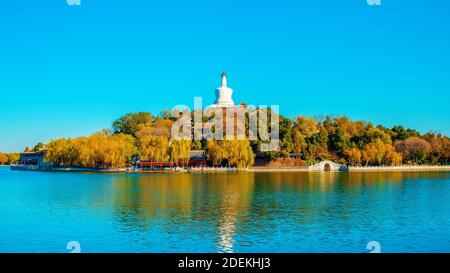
(236, 212)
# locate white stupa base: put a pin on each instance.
(222, 105)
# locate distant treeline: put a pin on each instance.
(360, 143)
(147, 137)
(8, 158)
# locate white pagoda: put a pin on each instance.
(224, 94)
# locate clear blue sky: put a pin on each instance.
(68, 71)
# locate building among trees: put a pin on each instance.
(303, 141)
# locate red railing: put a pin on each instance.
(152, 165)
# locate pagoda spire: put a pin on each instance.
(224, 79)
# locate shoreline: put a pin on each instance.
(358, 169)
(249, 170)
(400, 168)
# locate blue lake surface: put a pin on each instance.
(234, 212)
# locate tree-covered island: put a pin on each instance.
(143, 136)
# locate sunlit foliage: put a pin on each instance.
(235, 153)
(179, 152)
(154, 148)
(146, 137)
(96, 151)
(8, 158)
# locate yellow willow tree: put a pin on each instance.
(61, 152)
(374, 152)
(14, 157)
(98, 150)
(85, 156)
(239, 153)
(118, 150)
(179, 151)
(154, 148)
(215, 152)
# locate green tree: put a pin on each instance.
(39, 147)
(337, 141)
(129, 123)
(286, 142)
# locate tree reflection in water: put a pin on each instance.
(223, 208)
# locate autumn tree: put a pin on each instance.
(154, 148)
(391, 156)
(13, 157)
(179, 151)
(374, 152)
(9, 158)
(60, 152)
(299, 142)
(234, 153)
(440, 148)
(215, 152)
(158, 127)
(353, 156)
(239, 153)
(379, 153)
(414, 149)
(4, 159)
(96, 151)
(340, 139)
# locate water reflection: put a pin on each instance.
(233, 212)
(251, 208)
